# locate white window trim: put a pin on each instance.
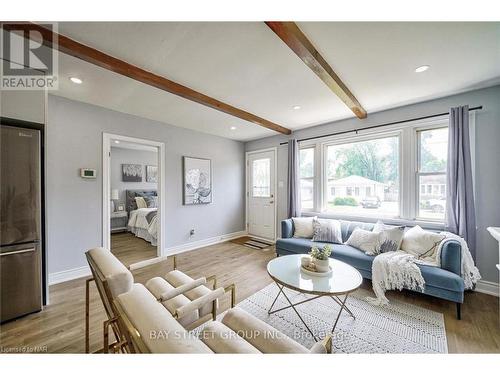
(408, 168)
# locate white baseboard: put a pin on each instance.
(74, 273)
(488, 287)
(202, 243)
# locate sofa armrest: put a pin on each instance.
(287, 228)
(451, 257)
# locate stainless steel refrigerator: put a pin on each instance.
(20, 222)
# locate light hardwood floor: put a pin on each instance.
(60, 326)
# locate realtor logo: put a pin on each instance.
(27, 64)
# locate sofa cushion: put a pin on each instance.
(159, 330)
(221, 339)
(440, 278)
(352, 256)
(119, 278)
(297, 245)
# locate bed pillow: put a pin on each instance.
(141, 202)
(152, 201)
(303, 227)
(419, 242)
(390, 238)
(364, 240)
(326, 230)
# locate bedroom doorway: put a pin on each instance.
(133, 187)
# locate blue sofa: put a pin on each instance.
(445, 282)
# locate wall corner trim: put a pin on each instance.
(202, 243)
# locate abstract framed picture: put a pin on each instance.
(197, 181)
(131, 172)
(151, 173)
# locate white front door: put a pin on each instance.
(261, 202)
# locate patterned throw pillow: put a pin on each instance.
(390, 237)
(152, 201)
(326, 230)
(364, 240)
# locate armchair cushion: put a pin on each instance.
(118, 277)
(221, 339)
(259, 334)
(160, 332)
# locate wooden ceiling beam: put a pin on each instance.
(295, 39)
(96, 57)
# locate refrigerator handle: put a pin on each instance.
(18, 252)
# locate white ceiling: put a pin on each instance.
(248, 66)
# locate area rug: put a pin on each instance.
(396, 328)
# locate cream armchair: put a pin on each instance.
(188, 301)
(149, 328)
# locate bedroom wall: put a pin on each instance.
(74, 140)
(121, 156)
(487, 159)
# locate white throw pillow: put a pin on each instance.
(140, 202)
(364, 240)
(390, 238)
(419, 242)
(303, 227)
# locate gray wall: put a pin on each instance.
(121, 156)
(487, 159)
(74, 205)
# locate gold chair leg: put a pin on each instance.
(175, 262)
(214, 279)
(231, 288)
(87, 314)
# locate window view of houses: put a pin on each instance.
(362, 178)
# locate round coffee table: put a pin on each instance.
(286, 273)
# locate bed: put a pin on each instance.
(142, 222)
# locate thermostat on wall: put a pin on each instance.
(87, 173)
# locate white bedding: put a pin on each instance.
(138, 225)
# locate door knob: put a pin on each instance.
(271, 202)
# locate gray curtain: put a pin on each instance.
(460, 214)
(293, 179)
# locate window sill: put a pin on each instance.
(434, 225)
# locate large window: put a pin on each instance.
(362, 178)
(398, 172)
(431, 173)
(307, 178)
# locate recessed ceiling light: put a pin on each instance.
(117, 142)
(422, 68)
(296, 107)
(76, 80)
(233, 128)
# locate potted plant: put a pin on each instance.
(320, 257)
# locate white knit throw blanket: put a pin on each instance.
(398, 270)
(394, 270)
